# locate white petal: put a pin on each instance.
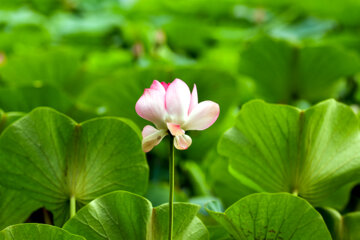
(177, 101)
(202, 116)
(152, 137)
(182, 142)
(194, 99)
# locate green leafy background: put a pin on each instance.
(286, 75)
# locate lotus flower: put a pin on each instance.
(173, 110)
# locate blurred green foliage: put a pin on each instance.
(89, 58)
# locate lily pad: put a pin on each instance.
(224, 185)
(346, 227)
(290, 72)
(122, 215)
(32, 231)
(15, 207)
(277, 148)
(52, 158)
(10, 200)
(30, 66)
(26, 98)
(272, 216)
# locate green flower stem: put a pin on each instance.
(171, 183)
(72, 206)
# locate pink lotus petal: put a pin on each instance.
(156, 85)
(151, 137)
(182, 142)
(177, 101)
(202, 116)
(151, 105)
(193, 100)
(175, 129)
(165, 85)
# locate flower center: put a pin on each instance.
(175, 129)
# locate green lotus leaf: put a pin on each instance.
(122, 215)
(342, 227)
(15, 207)
(26, 98)
(10, 200)
(277, 148)
(223, 184)
(32, 231)
(53, 159)
(272, 216)
(290, 72)
(55, 66)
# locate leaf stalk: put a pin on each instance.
(72, 206)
